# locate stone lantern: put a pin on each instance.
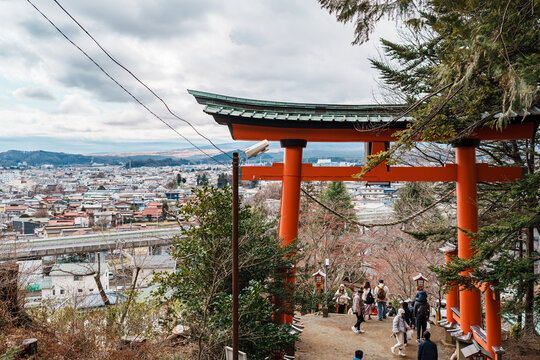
(319, 279)
(420, 281)
(475, 352)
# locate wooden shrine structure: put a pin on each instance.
(295, 124)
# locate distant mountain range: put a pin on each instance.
(313, 152)
(40, 157)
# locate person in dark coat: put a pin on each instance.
(408, 316)
(427, 350)
(411, 309)
(421, 296)
(421, 313)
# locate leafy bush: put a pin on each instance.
(203, 280)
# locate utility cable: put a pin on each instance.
(139, 81)
(203, 136)
(120, 85)
(344, 217)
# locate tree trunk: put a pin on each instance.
(518, 313)
(529, 294)
(97, 279)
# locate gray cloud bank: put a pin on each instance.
(288, 50)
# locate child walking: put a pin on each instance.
(399, 329)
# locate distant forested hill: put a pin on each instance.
(40, 157)
(36, 158)
(156, 162)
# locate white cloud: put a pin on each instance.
(77, 104)
(288, 50)
(34, 93)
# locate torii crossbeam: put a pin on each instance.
(294, 124)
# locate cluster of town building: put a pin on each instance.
(47, 202)
(54, 202)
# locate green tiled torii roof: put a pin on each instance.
(228, 109)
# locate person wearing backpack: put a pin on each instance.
(421, 313)
(381, 292)
(369, 299)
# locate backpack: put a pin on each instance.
(369, 298)
(423, 310)
(381, 294)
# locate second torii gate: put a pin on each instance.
(295, 124)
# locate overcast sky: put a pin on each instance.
(53, 98)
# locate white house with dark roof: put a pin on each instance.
(73, 279)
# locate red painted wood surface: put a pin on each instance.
(257, 133)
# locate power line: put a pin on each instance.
(200, 134)
(139, 81)
(344, 217)
(120, 85)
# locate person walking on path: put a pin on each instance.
(381, 293)
(421, 295)
(427, 350)
(358, 310)
(358, 355)
(341, 298)
(399, 329)
(411, 310)
(421, 314)
(408, 316)
(369, 299)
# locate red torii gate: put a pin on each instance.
(294, 124)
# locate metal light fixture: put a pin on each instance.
(250, 152)
(257, 149)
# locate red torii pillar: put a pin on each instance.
(290, 202)
(452, 295)
(493, 321)
(470, 306)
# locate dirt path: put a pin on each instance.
(332, 339)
